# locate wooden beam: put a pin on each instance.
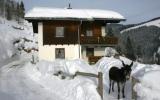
(134, 94)
(100, 84)
(86, 74)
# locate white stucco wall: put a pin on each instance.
(99, 51)
(47, 52)
(103, 31)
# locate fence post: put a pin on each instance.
(134, 94)
(100, 84)
(100, 80)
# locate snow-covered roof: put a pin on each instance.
(59, 13)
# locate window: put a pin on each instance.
(89, 33)
(60, 53)
(89, 51)
(59, 31)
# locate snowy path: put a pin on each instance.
(113, 95)
(16, 85)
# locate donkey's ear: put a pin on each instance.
(131, 64)
(123, 63)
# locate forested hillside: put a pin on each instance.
(12, 10)
(139, 41)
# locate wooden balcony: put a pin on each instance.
(99, 40)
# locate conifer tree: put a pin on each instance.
(129, 49)
(18, 12)
(22, 10)
(110, 31)
(139, 51)
(8, 10)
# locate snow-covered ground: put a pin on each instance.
(22, 80)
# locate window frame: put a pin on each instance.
(59, 31)
(59, 56)
(89, 33)
(89, 52)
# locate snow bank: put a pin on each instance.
(148, 75)
(22, 80)
(67, 66)
(81, 87)
(103, 65)
(10, 32)
(78, 88)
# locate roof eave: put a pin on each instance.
(116, 20)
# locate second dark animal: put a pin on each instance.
(120, 76)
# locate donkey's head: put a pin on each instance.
(127, 70)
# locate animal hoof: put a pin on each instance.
(123, 96)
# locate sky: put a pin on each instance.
(135, 11)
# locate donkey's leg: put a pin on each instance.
(123, 87)
(109, 86)
(118, 90)
(113, 86)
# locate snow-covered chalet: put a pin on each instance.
(72, 33)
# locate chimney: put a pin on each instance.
(69, 6)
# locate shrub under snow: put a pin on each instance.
(110, 52)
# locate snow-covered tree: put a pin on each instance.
(110, 52)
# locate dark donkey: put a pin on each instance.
(120, 76)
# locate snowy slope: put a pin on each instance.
(151, 23)
(148, 75)
(11, 31)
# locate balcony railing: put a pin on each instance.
(99, 40)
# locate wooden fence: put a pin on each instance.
(134, 94)
(100, 80)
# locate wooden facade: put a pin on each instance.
(94, 26)
(71, 31)
(99, 40)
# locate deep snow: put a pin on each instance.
(11, 31)
(22, 80)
